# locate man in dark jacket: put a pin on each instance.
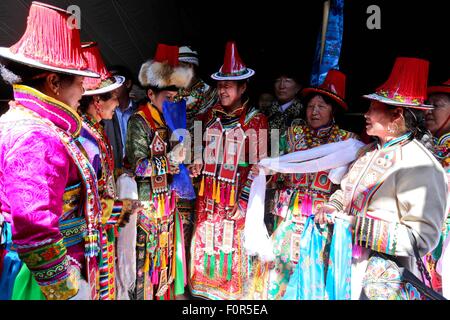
(116, 129)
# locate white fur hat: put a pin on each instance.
(163, 71)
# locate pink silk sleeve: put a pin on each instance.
(36, 171)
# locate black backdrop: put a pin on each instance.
(268, 34)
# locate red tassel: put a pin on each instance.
(407, 82)
(95, 63)
(48, 39)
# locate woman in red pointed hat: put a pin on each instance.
(99, 102)
(160, 268)
(49, 197)
(395, 191)
(438, 122)
(301, 195)
(219, 264)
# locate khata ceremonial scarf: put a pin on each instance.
(333, 156)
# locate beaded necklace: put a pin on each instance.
(322, 136)
(106, 184)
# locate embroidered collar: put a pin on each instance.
(156, 115)
(322, 131)
(49, 108)
(400, 140)
(235, 113)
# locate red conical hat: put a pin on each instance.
(95, 62)
(406, 86)
(233, 67)
(333, 87)
(164, 71)
(49, 43)
(443, 88)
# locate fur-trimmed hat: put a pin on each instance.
(164, 71)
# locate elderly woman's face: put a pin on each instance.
(286, 89)
(378, 117)
(437, 118)
(318, 112)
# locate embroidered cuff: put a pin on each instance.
(52, 270)
(73, 231)
(376, 234)
(65, 288)
(116, 213)
(336, 204)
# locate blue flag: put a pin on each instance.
(175, 117)
(332, 46)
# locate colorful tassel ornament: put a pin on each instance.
(201, 192)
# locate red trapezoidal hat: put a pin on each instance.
(406, 86)
(443, 88)
(107, 82)
(49, 43)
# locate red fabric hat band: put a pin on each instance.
(335, 83)
(95, 63)
(443, 88)
(167, 53)
(407, 82)
(49, 40)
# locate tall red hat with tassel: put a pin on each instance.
(233, 67)
(333, 87)
(107, 81)
(164, 71)
(406, 86)
(49, 43)
(443, 88)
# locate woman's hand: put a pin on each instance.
(195, 169)
(256, 168)
(236, 213)
(178, 154)
(174, 169)
(324, 214)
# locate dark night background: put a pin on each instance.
(268, 34)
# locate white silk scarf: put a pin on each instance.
(335, 157)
